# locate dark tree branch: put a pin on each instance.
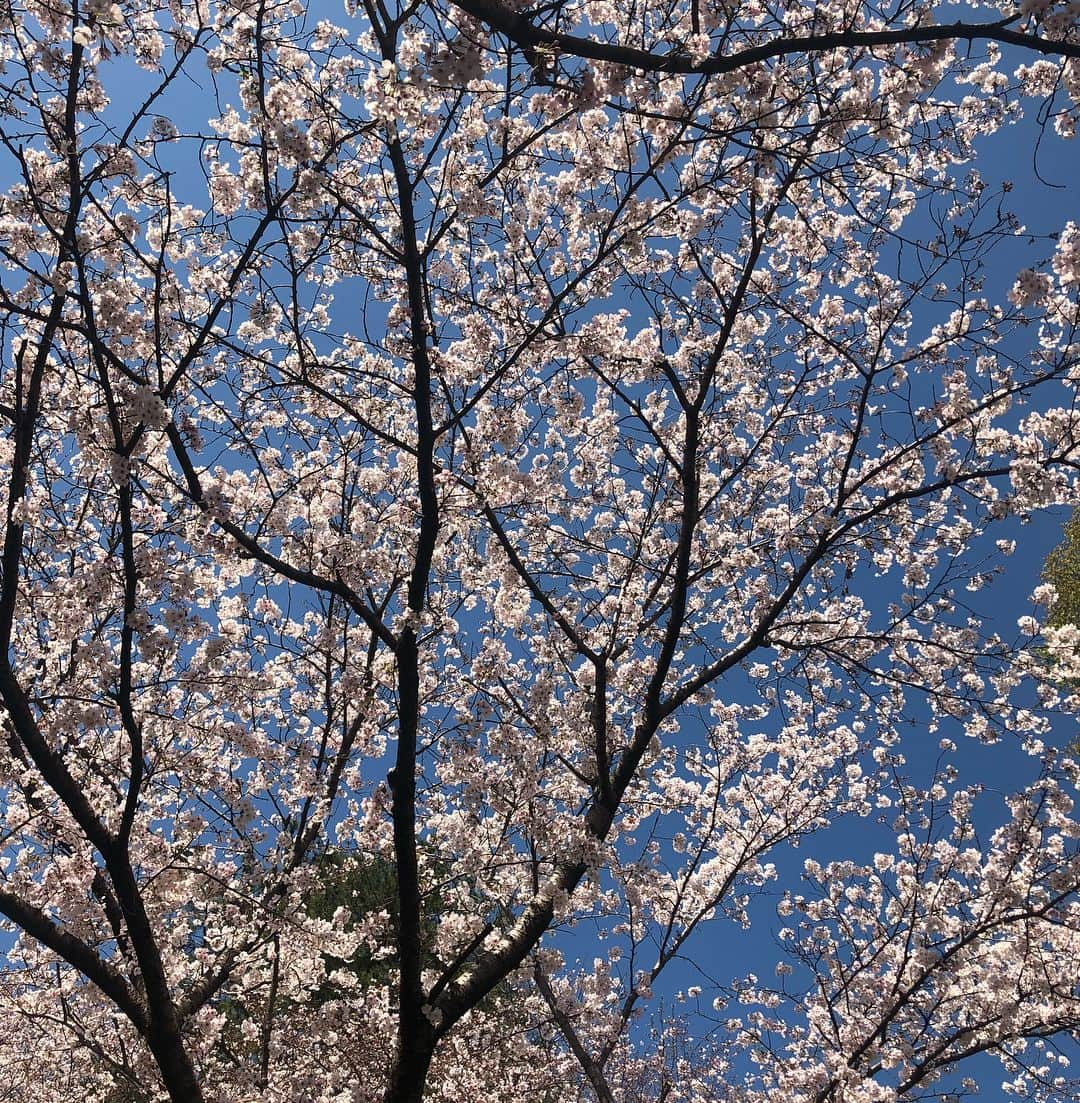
(76, 953)
(520, 30)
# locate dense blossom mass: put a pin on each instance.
(496, 499)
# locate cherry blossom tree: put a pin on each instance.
(485, 484)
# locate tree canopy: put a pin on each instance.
(497, 499)
(1062, 571)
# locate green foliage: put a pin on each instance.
(1062, 570)
(360, 886)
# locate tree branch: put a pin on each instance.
(76, 953)
(528, 36)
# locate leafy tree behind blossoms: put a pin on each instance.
(539, 456)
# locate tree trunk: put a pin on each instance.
(409, 1077)
(177, 1071)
